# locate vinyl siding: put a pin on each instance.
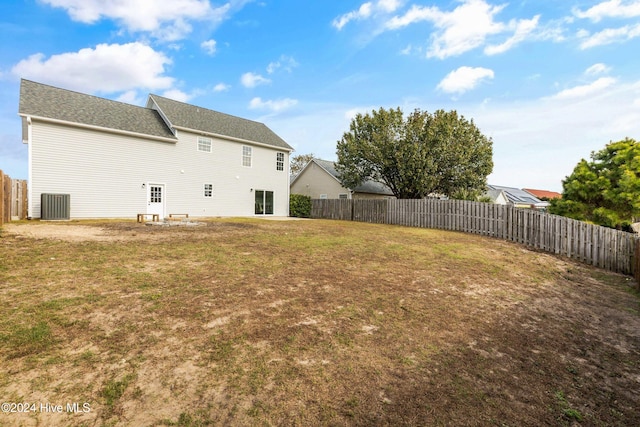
(104, 173)
(314, 181)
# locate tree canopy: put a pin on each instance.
(605, 190)
(300, 161)
(425, 153)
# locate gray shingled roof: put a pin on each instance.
(372, 187)
(50, 102)
(202, 119)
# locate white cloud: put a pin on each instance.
(365, 11)
(469, 26)
(166, 20)
(389, 6)
(464, 79)
(131, 97)
(107, 68)
(274, 106)
(523, 29)
(609, 36)
(286, 63)
(209, 46)
(221, 87)
(407, 50)
(251, 80)
(585, 90)
(465, 28)
(610, 9)
(415, 14)
(582, 33)
(596, 69)
(177, 95)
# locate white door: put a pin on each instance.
(155, 199)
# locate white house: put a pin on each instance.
(116, 160)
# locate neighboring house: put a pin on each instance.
(516, 197)
(319, 180)
(116, 160)
(497, 196)
(543, 194)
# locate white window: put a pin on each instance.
(208, 190)
(155, 194)
(246, 156)
(323, 196)
(279, 161)
(204, 144)
(343, 196)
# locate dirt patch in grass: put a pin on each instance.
(100, 231)
(249, 322)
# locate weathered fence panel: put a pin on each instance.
(13, 198)
(332, 209)
(370, 210)
(602, 247)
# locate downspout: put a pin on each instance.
(288, 171)
(30, 169)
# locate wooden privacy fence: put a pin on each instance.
(13, 198)
(602, 247)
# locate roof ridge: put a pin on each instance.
(85, 94)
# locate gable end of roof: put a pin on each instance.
(199, 119)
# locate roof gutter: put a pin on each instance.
(99, 128)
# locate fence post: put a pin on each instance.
(25, 200)
(8, 193)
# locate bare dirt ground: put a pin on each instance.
(309, 323)
(70, 233)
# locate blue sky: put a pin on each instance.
(549, 81)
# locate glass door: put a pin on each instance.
(264, 202)
(268, 202)
(259, 202)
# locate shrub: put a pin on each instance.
(299, 206)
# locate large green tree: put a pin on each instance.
(415, 156)
(605, 190)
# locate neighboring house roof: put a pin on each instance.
(495, 195)
(543, 193)
(191, 117)
(517, 196)
(52, 103)
(370, 186)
